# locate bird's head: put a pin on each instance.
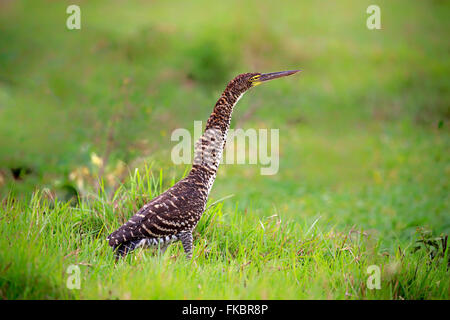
(245, 81)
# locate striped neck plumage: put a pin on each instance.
(210, 146)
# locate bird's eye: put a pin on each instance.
(254, 78)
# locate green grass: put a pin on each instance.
(237, 255)
(364, 140)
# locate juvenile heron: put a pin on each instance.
(173, 215)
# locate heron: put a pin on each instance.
(173, 215)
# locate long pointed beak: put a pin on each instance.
(275, 75)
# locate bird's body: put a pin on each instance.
(173, 215)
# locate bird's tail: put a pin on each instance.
(122, 249)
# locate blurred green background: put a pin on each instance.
(364, 133)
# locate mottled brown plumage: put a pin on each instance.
(173, 215)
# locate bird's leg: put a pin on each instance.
(186, 241)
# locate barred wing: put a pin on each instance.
(174, 211)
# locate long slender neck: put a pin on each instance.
(210, 146)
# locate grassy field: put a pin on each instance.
(364, 140)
